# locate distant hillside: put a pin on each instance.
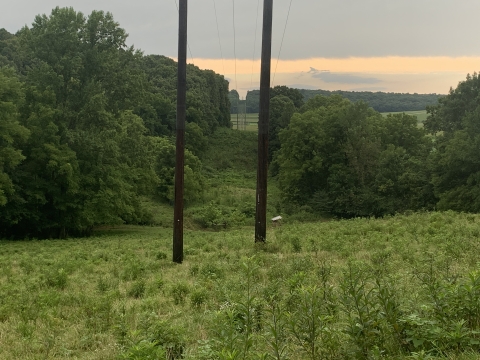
(380, 101)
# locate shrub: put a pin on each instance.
(57, 278)
(161, 255)
(216, 217)
(198, 298)
(137, 289)
(170, 337)
(132, 270)
(144, 350)
(296, 245)
(179, 292)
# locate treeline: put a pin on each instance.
(86, 125)
(337, 157)
(379, 101)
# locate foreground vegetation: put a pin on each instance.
(403, 286)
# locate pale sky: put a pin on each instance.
(421, 46)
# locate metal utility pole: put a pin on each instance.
(262, 171)
(181, 115)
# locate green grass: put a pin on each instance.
(420, 114)
(252, 119)
(249, 123)
(119, 292)
(231, 149)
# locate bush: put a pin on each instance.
(198, 298)
(179, 292)
(216, 217)
(137, 289)
(144, 350)
(57, 279)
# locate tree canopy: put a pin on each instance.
(345, 159)
(85, 125)
(379, 101)
(455, 124)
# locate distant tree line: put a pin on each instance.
(343, 158)
(379, 101)
(86, 126)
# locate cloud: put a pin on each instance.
(343, 78)
(316, 71)
(374, 28)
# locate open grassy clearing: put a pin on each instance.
(385, 288)
(252, 119)
(246, 122)
(420, 114)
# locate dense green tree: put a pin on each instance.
(86, 125)
(78, 91)
(281, 111)
(234, 99)
(252, 101)
(293, 94)
(341, 157)
(6, 53)
(253, 97)
(455, 125)
(11, 53)
(195, 140)
(208, 102)
(12, 134)
(380, 101)
(452, 111)
(165, 168)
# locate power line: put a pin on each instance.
(235, 56)
(253, 56)
(218, 33)
(281, 44)
(234, 46)
(255, 43)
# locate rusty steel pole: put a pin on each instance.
(262, 170)
(180, 145)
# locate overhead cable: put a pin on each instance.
(281, 43)
(218, 33)
(234, 47)
(254, 43)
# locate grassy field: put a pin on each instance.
(399, 287)
(403, 287)
(421, 115)
(252, 119)
(246, 122)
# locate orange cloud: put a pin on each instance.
(390, 74)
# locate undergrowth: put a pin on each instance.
(397, 288)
